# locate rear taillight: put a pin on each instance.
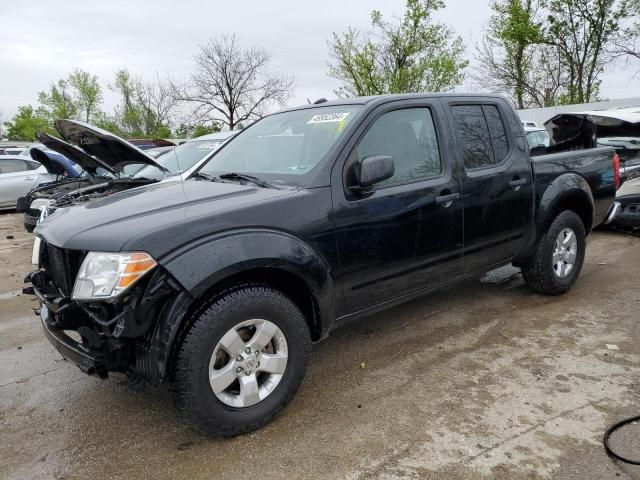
(616, 171)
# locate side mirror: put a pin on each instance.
(372, 170)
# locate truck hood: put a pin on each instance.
(107, 148)
(156, 218)
(86, 161)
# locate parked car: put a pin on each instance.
(105, 160)
(103, 178)
(158, 151)
(20, 174)
(618, 128)
(537, 138)
(627, 206)
(307, 218)
(184, 158)
(146, 144)
(11, 150)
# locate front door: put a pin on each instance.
(16, 179)
(406, 233)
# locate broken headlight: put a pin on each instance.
(105, 275)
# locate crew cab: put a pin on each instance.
(219, 284)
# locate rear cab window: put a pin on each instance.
(482, 135)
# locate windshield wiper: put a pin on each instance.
(248, 178)
(204, 176)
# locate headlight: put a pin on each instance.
(106, 275)
(40, 203)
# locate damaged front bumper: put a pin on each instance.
(104, 337)
(89, 362)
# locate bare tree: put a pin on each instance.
(543, 83)
(627, 41)
(231, 85)
(159, 101)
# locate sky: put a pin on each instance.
(42, 41)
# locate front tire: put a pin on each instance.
(241, 361)
(559, 256)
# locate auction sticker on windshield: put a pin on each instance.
(328, 117)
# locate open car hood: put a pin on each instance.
(619, 126)
(87, 162)
(52, 164)
(104, 146)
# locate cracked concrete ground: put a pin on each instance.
(484, 380)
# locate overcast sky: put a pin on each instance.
(41, 41)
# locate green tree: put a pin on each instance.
(27, 122)
(583, 32)
(145, 107)
(77, 97)
(411, 54)
(87, 93)
(58, 101)
(509, 49)
(197, 130)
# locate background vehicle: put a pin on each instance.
(537, 137)
(20, 174)
(146, 144)
(12, 151)
(183, 159)
(104, 180)
(105, 162)
(307, 218)
(158, 151)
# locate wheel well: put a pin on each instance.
(579, 204)
(288, 283)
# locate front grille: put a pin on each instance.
(63, 266)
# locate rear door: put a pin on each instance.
(405, 234)
(497, 182)
(16, 179)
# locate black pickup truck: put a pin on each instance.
(218, 285)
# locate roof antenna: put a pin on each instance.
(320, 100)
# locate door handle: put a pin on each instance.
(517, 183)
(447, 200)
(29, 178)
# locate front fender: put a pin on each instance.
(208, 261)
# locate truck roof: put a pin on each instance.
(376, 99)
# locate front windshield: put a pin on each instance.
(181, 158)
(285, 145)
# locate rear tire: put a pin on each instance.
(559, 256)
(211, 348)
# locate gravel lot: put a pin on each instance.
(483, 380)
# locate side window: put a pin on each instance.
(482, 135)
(10, 166)
(498, 133)
(409, 137)
(474, 136)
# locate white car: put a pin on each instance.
(18, 175)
